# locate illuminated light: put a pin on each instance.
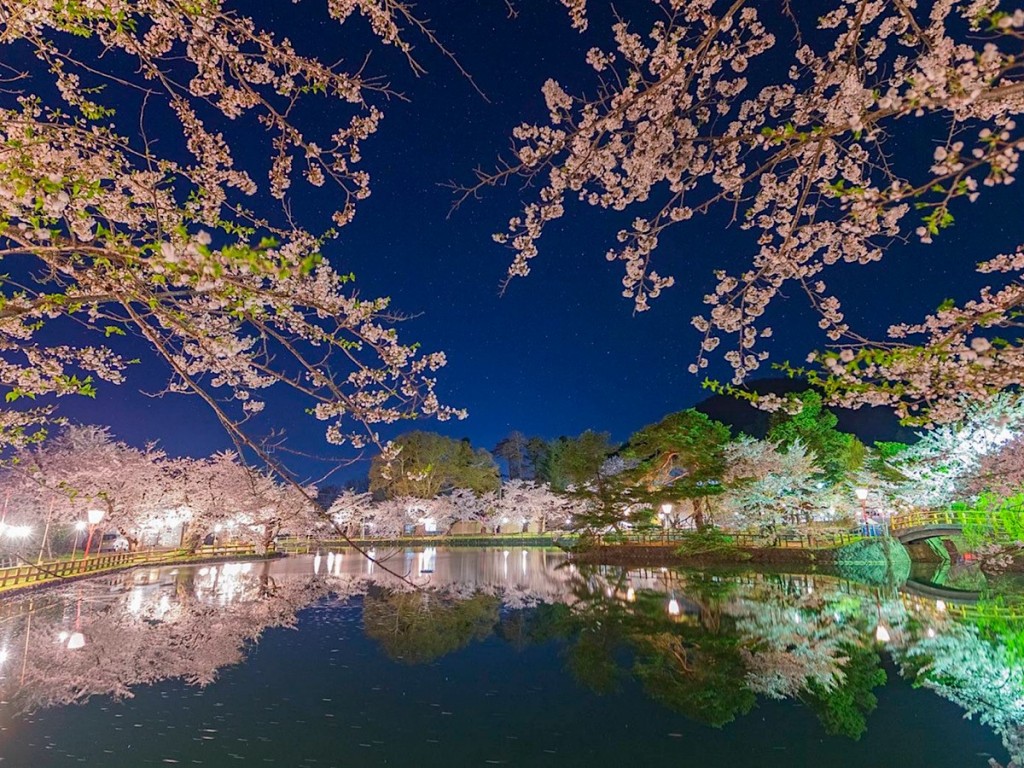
(930, 632)
(609, 592)
(940, 606)
(218, 528)
(95, 516)
(430, 525)
(810, 590)
(673, 607)
(203, 571)
(504, 520)
(80, 526)
(62, 637)
(882, 634)
(19, 531)
(76, 641)
(3, 656)
(630, 595)
(862, 493)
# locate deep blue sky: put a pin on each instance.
(561, 351)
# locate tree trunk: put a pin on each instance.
(698, 515)
(191, 539)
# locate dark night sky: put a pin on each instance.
(561, 351)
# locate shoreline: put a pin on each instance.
(665, 555)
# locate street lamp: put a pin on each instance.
(665, 515)
(862, 496)
(79, 527)
(95, 517)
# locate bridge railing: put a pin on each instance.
(919, 518)
(941, 517)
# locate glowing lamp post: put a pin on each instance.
(95, 517)
(862, 497)
(79, 527)
(665, 516)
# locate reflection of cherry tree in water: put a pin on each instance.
(705, 646)
(149, 633)
(980, 671)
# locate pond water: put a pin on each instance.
(507, 657)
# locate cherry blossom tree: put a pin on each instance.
(528, 505)
(121, 238)
(788, 122)
(351, 511)
(85, 468)
(939, 468)
(770, 490)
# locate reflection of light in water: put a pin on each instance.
(3, 656)
(369, 563)
(330, 561)
(427, 560)
(523, 563)
(316, 563)
(337, 564)
(135, 602)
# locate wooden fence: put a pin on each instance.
(33, 573)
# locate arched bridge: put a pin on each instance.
(929, 524)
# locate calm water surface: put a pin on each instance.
(508, 657)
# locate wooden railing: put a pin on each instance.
(939, 517)
(33, 573)
(920, 518)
